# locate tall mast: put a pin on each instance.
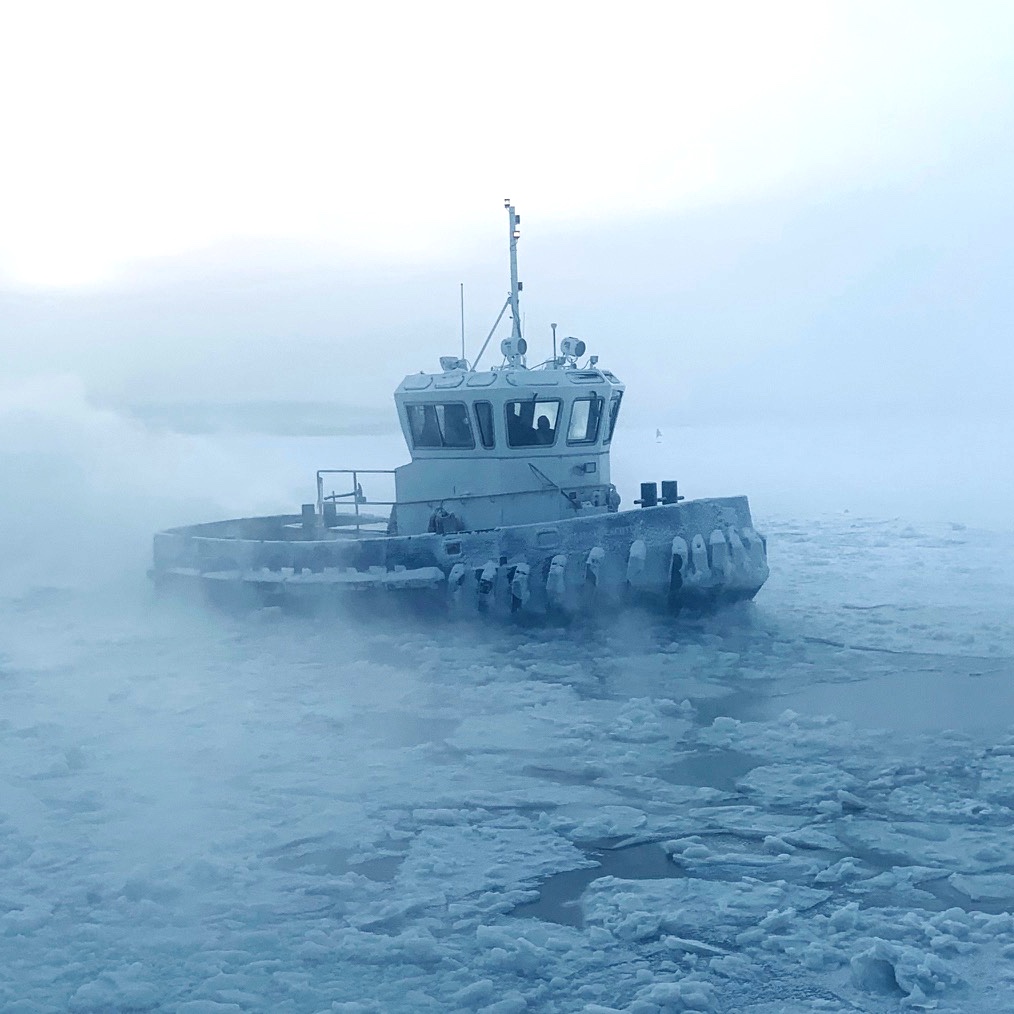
(515, 347)
(515, 234)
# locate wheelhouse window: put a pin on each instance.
(614, 411)
(585, 416)
(484, 421)
(440, 425)
(532, 423)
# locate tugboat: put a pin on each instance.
(506, 507)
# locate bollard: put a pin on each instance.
(670, 491)
(649, 494)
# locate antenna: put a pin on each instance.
(515, 234)
(462, 320)
(553, 326)
(514, 348)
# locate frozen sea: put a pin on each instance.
(805, 804)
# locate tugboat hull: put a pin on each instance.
(696, 554)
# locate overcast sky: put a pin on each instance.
(238, 200)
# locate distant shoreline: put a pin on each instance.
(269, 418)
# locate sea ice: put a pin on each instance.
(206, 813)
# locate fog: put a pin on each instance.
(829, 302)
(226, 237)
(807, 213)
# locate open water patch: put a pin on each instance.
(315, 856)
(916, 695)
(401, 729)
(716, 769)
(559, 898)
(579, 776)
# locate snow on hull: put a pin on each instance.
(697, 554)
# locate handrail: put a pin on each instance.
(356, 497)
(356, 493)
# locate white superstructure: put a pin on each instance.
(510, 445)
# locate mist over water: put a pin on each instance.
(86, 486)
(208, 811)
(803, 803)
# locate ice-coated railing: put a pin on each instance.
(355, 496)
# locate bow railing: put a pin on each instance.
(327, 503)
